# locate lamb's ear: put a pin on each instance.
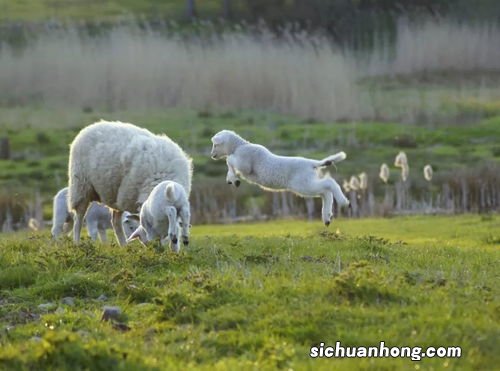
(132, 217)
(170, 192)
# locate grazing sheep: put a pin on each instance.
(118, 164)
(97, 218)
(258, 165)
(164, 210)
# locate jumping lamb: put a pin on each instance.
(255, 163)
(165, 209)
(118, 164)
(97, 218)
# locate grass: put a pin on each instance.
(256, 296)
(42, 10)
(40, 138)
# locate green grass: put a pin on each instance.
(40, 139)
(96, 10)
(256, 296)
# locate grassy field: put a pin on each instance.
(40, 139)
(256, 296)
(41, 10)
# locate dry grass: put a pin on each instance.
(299, 74)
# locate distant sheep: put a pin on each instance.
(97, 218)
(118, 164)
(165, 209)
(258, 165)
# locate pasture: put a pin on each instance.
(255, 296)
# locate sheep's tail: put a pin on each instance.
(331, 160)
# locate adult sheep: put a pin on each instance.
(118, 164)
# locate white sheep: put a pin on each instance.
(255, 163)
(166, 208)
(97, 218)
(118, 164)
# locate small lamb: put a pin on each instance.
(97, 218)
(166, 208)
(258, 165)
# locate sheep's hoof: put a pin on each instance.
(185, 241)
(174, 239)
(237, 183)
(327, 223)
(229, 182)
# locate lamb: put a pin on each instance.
(165, 209)
(255, 163)
(118, 164)
(98, 218)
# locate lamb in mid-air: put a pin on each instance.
(97, 218)
(166, 208)
(119, 164)
(255, 163)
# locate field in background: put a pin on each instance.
(433, 71)
(255, 296)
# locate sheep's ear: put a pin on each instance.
(170, 192)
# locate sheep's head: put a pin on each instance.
(224, 143)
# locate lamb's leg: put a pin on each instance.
(116, 221)
(231, 177)
(185, 219)
(334, 187)
(326, 210)
(92, 229)
(102, 235)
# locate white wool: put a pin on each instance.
(166, 207)
(118, 164)
(255, 163)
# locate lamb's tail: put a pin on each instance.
(331, 160)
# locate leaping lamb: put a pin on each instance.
(255, 163)
(118, 164)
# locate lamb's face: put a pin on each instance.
(219, 145)
(130, 223)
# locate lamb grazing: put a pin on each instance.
(166, 207)
(258, 165)
(118, 164)
(98, 218)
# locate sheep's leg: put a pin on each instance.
(175, 246)
(116, 221)
(92, 229)
(79, 214)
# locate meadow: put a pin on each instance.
(255, 296)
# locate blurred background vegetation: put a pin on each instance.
(301, 77)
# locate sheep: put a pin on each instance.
(164, 210)
(97, 218)
(255, 163)
(118, 164)
(428, 172)
(384, 173)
